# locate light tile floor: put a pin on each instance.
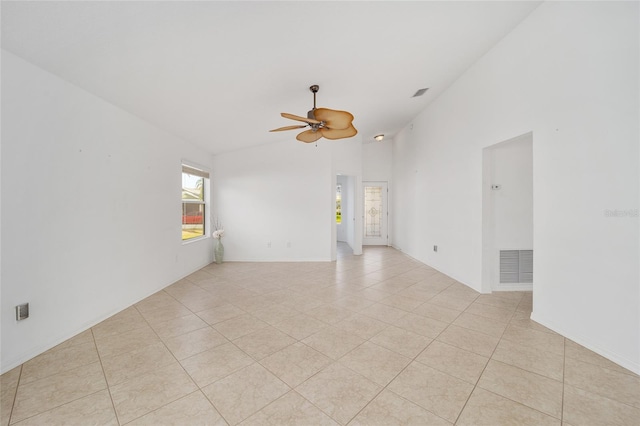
(377, 339)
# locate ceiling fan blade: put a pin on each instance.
(334, 119)
(339, 133)
(298, 118)
(309, 136)
(280, 129)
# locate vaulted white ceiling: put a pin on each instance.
(218, 74)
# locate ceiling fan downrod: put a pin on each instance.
(310, 114)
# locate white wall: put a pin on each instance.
(90, 210)
(569, 74)
(278, 193)
(376, 161)
(513, 202)
(507, 215)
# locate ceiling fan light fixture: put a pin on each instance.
(322, 122)
(379, 137)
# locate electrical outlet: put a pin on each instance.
(435, 248)
(269, 244)
(288, 244)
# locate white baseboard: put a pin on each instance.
(514, 287)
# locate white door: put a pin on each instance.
(375, 214)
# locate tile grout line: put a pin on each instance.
(15, 395)
(385, 387)
(564, 367)
(484, 369)
(104, 374)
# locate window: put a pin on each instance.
(194, 207)
(339, 204)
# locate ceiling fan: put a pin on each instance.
(323, 122)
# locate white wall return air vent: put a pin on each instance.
(516, 266)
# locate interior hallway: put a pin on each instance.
(372, 339)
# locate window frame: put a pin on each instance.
(203, 172)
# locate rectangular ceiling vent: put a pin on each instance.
(516, 266)
(420, 92)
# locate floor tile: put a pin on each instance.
(220, 313)
(239, 326)
(390, 409)
(608, 383)
(194, 342)
(158, 300)
(276, 313)
(353, 303)
(126, 320)
(531, 359)
(300, 326)
(92, 409)
(437, 312)
(198, 304)
(537, 339)
(481, 324)
(330, 314)
(214, 364)
(589, 409)
(401, 341)
(296, 363)
(146, 393)
(8, 387)
(580, 353)
(373, 295)
(339, 392)
(440, 393)
(178, 326)
(361, 325)
(491, 312)
(52, 391)
(456, 362)
(166, 313)
(290, 409)
(473, 341)
(421, 325)
(498, 301)
(121, 368)
(79, 339)
(486, 408)
(526, 322)
(450, 302)
(530, 389)
(193, 409)
(402, 302)
(264, 342)
(374, 362)
(57, 360)
(383, 313)
(118, 344)
(244, 392)
(333, 342)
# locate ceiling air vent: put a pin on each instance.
(420, 92)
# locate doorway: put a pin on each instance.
(375, 215)
(507, 215)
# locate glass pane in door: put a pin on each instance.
(372, 211)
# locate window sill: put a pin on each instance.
(193, 240)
